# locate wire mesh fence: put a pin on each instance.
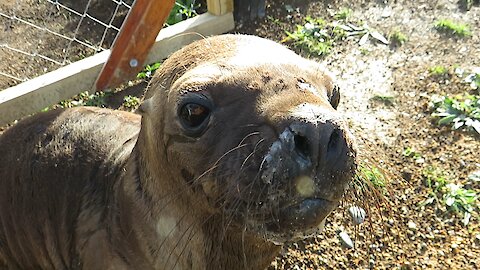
(41, 35)
(38, 36)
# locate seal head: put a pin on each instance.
(254, 132)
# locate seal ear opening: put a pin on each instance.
(145, 107)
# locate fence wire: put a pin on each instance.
(41, 35)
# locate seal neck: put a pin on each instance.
(169, 236)
(237, 249)
(156, 221)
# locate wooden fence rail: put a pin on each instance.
(43, 91)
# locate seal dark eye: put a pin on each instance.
(194, 114)
(335, 97)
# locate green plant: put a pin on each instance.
(183, 9)
(387, 99)
(317, 36)
(459, 199)
(474, 176)
(97, 99)
(370, 189)
(364, 51)
(148, 71)
(411, 153)
(474, 79)
(450, 27)
(460, 111)
(131, 102)
(435, 181)
(438, 71)
(343, 14)
(314, 36)
(397, 38)
(369, 184)
(373, 175)
(274, 20)
(453, 196)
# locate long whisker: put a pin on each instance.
(243, 247)
(190, 237)
(196, 181)
(173, 196)
(190, 227)
(209, 170)
(249, 188)
(189, 231)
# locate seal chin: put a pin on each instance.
(303, 216)
(299, 221)
(295, 222)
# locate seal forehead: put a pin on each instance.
(196, 78)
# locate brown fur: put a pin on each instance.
(93, 188)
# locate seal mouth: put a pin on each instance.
(293, 185)
(298, 191)
(302, 216)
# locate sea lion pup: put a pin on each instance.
(238, 149)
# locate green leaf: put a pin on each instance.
(446, 120)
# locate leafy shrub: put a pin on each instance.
(461, 111)
(183, 9)
(453, 196)
(450, 27)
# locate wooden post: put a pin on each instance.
(219, 7)
(134, 41)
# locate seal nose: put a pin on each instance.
(322, 142)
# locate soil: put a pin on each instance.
(401, 231)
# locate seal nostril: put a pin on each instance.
(333, 142)
(301, 145)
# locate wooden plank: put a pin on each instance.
(220, 7)
(38, 93)
(134, 41)
(169, 40)
(34, 95)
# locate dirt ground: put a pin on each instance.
(406, 234)
(403, 233)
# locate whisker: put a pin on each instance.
(243, 247)
(249, 187)
(189, 238)
(197, 180)
(214, 166)
(190, 231)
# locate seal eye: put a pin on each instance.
(194, 113)
(335, 97)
